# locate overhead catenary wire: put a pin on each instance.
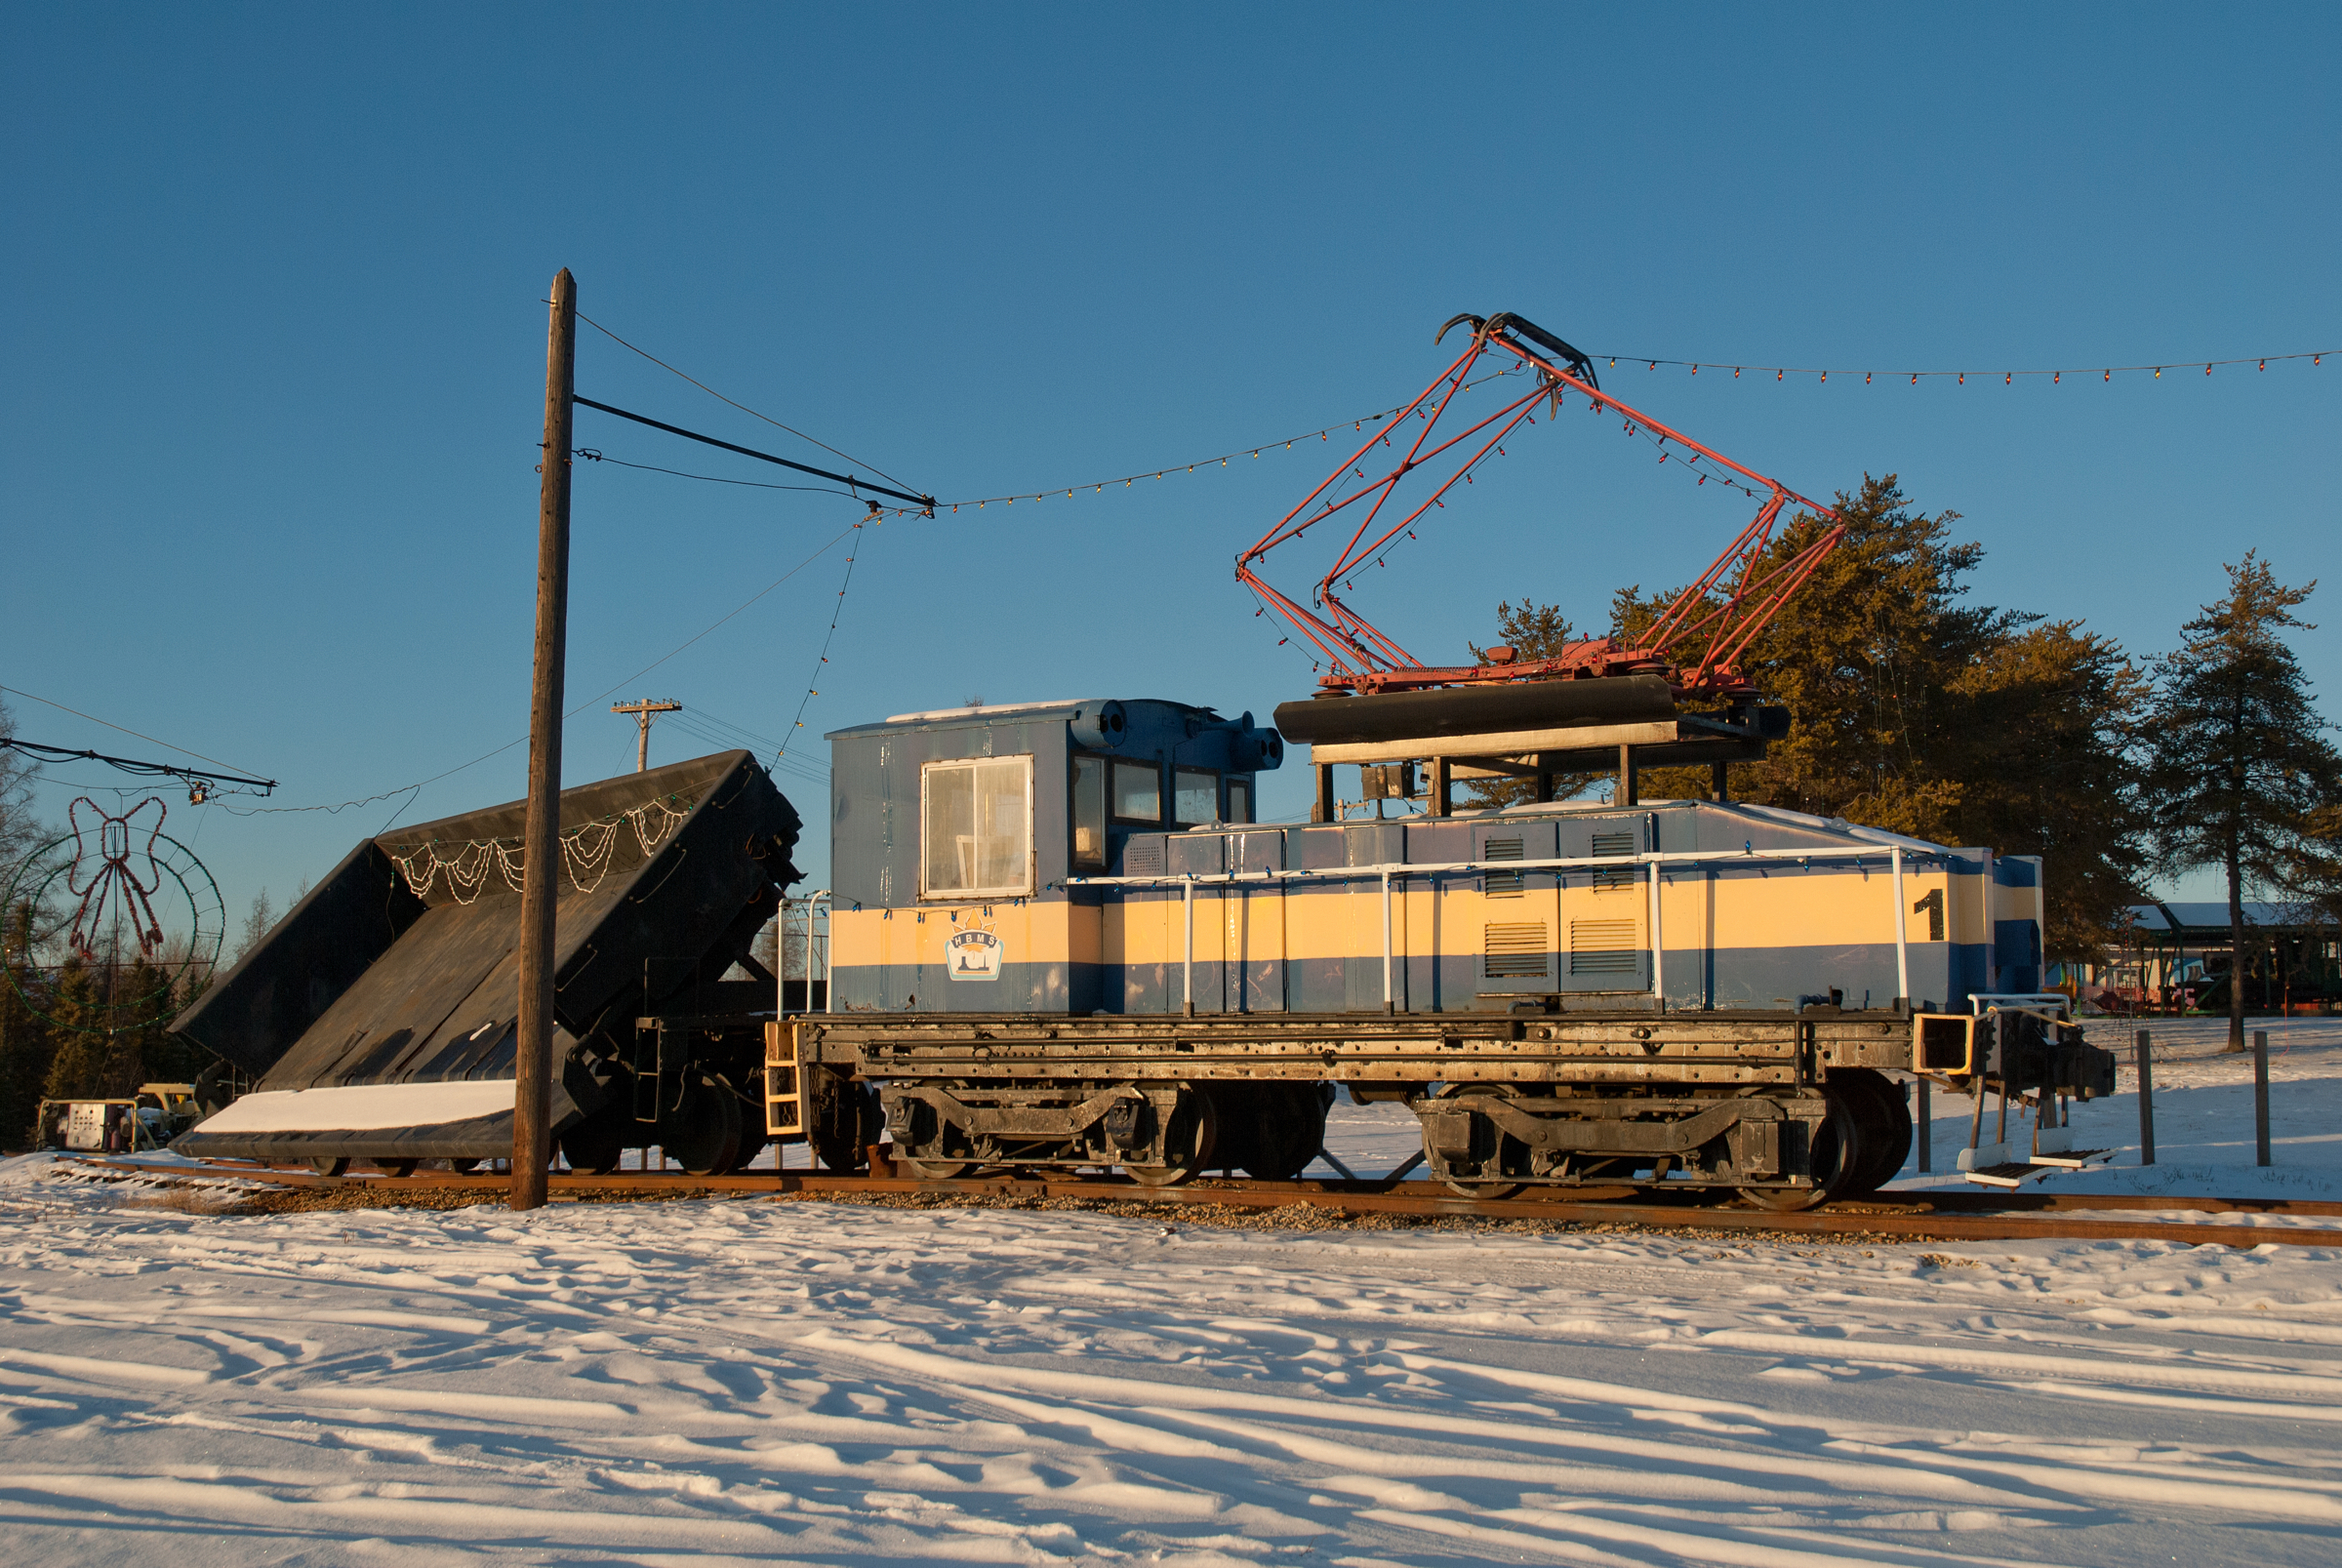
(725, 735)
(1283, 443)
(923, 503)
(119, 728)
(1360, 422)
(721, 398)
(596, 455)
(409, 788)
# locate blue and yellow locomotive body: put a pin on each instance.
(1102, 857)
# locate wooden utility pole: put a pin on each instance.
(541, 841)
(642, 712)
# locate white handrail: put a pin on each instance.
(1658, 946)
(1388, 1000)
(1672, 858)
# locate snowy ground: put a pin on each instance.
(719, 1382)
(2202, 1114)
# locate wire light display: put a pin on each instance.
(146, 915)
(587, 852)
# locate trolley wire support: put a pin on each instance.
(925, 503)
(195, 779)
(1696, 644)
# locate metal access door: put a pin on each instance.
(1255, 913)
(1372, 844)
(1518, 952)
(1605, 913)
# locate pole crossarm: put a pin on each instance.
(1697, 643)
(926, 502)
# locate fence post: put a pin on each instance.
(2146, 1101)
(2260, 1097)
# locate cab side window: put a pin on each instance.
(976, 829)
(1194, 797)
(1138, 792)
(1089, 812)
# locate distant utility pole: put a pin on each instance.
(642, 712)
(541, 835)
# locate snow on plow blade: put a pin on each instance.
(380, 1015)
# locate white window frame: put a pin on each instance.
(1020, 889)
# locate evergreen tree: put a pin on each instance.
(2046, 761)
(24, 1038)
(20, 829)
(1533, 631)
(2239, 768)
(77, 1063)
(1924, 714)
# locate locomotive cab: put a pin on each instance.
(959, 837)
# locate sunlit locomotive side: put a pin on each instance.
(1059, 939)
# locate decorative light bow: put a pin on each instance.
(109, 881)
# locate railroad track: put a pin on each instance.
(1931, 1216)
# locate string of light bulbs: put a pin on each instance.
(811, 692)
(2008, 378)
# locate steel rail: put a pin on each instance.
(1946, 1216)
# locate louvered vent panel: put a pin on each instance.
(1602, 948)
(1514, 950)
(1613, 844)
(1504, 884)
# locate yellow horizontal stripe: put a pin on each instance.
(1785, 909)
(1029, 934)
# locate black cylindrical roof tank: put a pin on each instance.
(1535, 705)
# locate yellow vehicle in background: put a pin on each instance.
(147, 1120)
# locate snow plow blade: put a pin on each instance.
(381, 1014)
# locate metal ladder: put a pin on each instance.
(784, 1084)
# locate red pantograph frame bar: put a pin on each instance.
(1361, 659)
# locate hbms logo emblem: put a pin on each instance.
(972, 956)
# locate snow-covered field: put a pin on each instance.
(2202, 1114)
(806, 1382)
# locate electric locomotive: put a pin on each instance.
(1059, 937)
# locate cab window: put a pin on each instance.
(1239, 800)
(1089, 811)
(1138, 792)
(1194, 797)
(976, 829)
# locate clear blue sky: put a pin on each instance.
(273, 347)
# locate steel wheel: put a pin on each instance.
(330, 1165)
(396, 1167)
(1884, 1125)
(595, 1145)
(704, 1132)
(1472, 1185)
(1189, 1132)
(935, 1170)
(1835, 1157)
